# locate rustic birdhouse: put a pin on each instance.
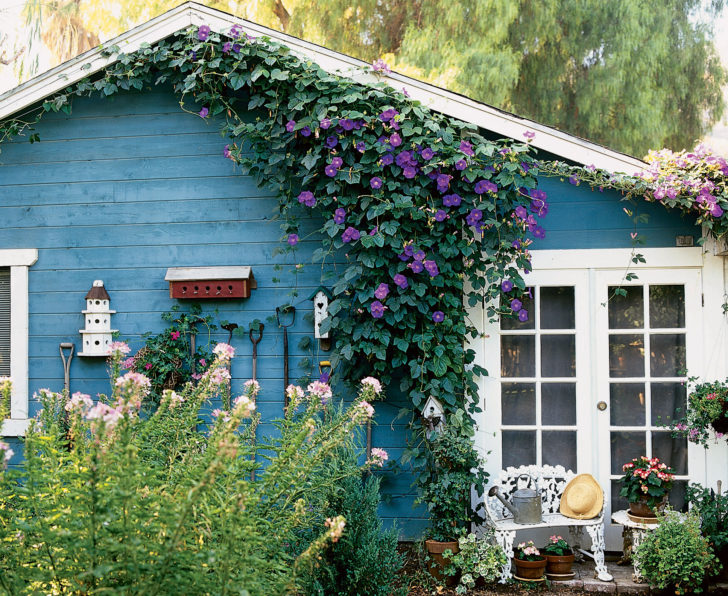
(96, 337)
(216, 283)
(434, 414)
(321, 297)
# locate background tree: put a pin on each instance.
(632, 75)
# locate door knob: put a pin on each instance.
(601, 406)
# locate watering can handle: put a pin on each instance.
(530, 479)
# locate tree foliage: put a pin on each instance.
(627, 74)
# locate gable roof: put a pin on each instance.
(547, 138)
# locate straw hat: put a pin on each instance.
(583, 498)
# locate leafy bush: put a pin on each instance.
(713, 511)
(707, 404)
(479, 558)
(365, 559)
(121, 503)
(675, 555)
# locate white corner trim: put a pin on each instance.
(13, 427)
(19, 341)
(485, 116)
(18, 257)
(616, 258)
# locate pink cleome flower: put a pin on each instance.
(224, 351)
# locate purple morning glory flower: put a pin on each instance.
(431, 268)
(452, 200)
(331, 142)
(226, 152)
(388, 115)
(347, 124)
(440, 215)
(403, 257)
(387, 159)
(235, 31)
(226, 47)
(523, 315)
(484, 186)
(461, 164)
(377, 309)
(416, 266)
(337, 162)
(293, 239)
(466, 148)
(539, 207)
(306, 198)
(290, 125)
(236, 48)
(382, 291)
(340, 215)
(419, 255)
(537, 194)
(325, 123)
(516, 244)
(427, 154)
(573, 180)
(409, 172)
(516, 305)
(400, 281)
(306, 131)
(506, 285)
(443, 182)
(409, 250)
(193, 55)
(376, 183)
(350, 234)
(203, 32)
(203, 113)
(395, 140)
(474, 217)
(521, 212)
(330, 170)
(716, 210)
(438, 316)
(374, 230)
(361, 147)
(404, 158)
(539, 232)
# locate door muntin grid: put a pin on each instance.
(538, 381)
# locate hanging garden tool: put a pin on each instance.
(229, 327)
(291, 312)
(255, 341)
(66, 365)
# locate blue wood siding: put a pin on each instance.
(128, 186)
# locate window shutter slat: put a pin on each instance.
(4, 321)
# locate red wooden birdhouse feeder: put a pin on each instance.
(210, 283)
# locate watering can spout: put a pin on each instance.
(493, 492)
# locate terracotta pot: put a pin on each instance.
(559, 564)
(435, 548)
(530, 569)
(640, 508)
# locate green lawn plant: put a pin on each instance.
(127, 504)
(479, 558)
(675, 555)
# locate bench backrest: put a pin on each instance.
(550, 480)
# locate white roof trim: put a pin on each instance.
(509, 125)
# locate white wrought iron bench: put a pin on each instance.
(550, 481)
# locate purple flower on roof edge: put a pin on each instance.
(203, 32)
(236, 48)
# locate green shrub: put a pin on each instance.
(675, 555)
(713, 511)
(365, 559)
(479, 558)
(116, 503)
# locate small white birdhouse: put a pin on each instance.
(433, 413)
(97, 335)
(321, 298)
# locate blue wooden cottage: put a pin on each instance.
(124, 189)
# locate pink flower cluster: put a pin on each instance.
(224, 351)
(366, 408)
(320, 390)
(5, 454)
(252, 387)
(373, 384)
(120, 347)
(378, 457)
(336, 527)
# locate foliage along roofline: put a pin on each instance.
(452, 104)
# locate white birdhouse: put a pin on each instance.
(321, 298)
(96, 337)
(433, 413)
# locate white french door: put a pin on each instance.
(647, 345)
(593, 375)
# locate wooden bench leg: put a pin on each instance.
(597, 535)
(505, 539)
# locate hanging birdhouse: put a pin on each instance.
(321, 297)
(215, 283)
(433, 414)
(97, 334)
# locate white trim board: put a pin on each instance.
(509, 125)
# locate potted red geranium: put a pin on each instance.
(529, 561)
(559, 556)
(646, 484)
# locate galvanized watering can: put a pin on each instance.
(526, 507)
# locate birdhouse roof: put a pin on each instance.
(323, 289)
(98, 292)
